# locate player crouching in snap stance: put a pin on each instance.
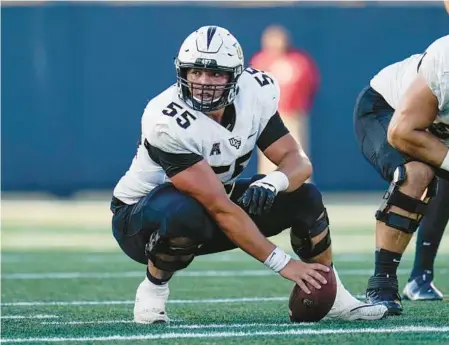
(402, 126)
(181, 197)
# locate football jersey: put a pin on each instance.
(433, 65)
(434, 68)
(392, 81)
(174, 136)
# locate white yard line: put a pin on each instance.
(74, 323)
(192, 326)
(39, 316)
(406, 329)
(62, 303)
(71, 275)
(240, 325)
(173, 301)
(233, 256)
(132, 274)
(188, 273)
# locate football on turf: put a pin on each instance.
(313, 307)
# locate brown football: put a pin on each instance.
(313, 307)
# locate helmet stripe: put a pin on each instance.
(210, 34)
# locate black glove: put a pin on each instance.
(258, 198)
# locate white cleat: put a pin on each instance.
(347, 307)
(350, 310)
(150, 302)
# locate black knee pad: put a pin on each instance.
(311, 194)
(159, 247)
(310, 201)
(314, 223)
(393, 197)
(188, 221)
(302, 244)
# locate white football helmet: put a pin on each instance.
(212, 48)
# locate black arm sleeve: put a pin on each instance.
(172, 163)
(274, 130)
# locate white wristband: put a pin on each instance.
(445, 164)
(277, 260)
(277, 179)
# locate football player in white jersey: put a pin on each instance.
(182, 197)
(402, 125)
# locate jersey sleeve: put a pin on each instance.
(434, 67)
(271, 128)
(166, 145)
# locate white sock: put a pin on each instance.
(159, 289)
(341, 290)
(337, 277)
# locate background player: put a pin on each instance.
(408, 149)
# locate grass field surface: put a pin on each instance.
(65, 281)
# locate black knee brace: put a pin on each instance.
(301, 240)
(158, 245)
(393, 197)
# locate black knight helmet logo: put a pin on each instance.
(236, 142)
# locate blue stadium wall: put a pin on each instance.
(76, 77)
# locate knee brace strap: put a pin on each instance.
(393, 197)
(160, 245)
(301, 241)
(321, 224)
(304, 248)
(311, 228)
(398, 221)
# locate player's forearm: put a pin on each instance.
(419, 144)
(241, 230)
(297, 168)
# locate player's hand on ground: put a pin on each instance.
(300, 272)
(258, 198)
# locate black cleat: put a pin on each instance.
(421, 288)
(384, 290)
(389, 298)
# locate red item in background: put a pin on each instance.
(297, 75)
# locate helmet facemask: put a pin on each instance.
(212, 102)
